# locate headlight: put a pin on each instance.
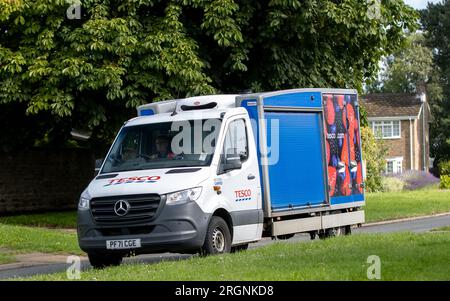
(183, 196)
(83, 204)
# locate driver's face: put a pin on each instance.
(162, 145)
(129, 153)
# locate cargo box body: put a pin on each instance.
(309, 149)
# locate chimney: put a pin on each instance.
(422, 96)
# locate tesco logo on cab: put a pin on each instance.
(144, 179)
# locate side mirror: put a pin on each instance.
(98, 164)
(232, 161)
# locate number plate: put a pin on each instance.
(123, 244)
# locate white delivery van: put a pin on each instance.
(212, 174)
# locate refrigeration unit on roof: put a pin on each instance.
(188, 104)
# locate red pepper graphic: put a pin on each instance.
(332, 179)
(328, 152)
(359, 177)
(352, 148)
(344, 152)
(351, 117)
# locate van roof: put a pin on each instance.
(220, 101)
(184, 115)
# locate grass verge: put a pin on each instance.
(446, 228)
(6, 258)
(395, 205)
(65, 219)
(27, 239)
(404, 256)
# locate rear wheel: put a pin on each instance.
(218, 237)
(332, 232)
(313, 234)
(347, 230)
(102, 260)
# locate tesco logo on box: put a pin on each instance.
(245, 193)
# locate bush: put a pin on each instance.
(444, 168)
(445, 182)
(392, 184)
(374, 152)
(444, 171)
(417, 179)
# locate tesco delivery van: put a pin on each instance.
(212, 174)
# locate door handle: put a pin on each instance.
(251, 177)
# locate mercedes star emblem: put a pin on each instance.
(121, 207)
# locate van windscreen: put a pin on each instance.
(183, 143)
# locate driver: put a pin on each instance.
(129, 153)
(162, 148)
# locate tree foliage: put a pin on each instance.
(408, 70)
(436, 22)
(91, 73)
(374, 151)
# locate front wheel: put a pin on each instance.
(100, 261)
(218, 237)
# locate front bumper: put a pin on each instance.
(176, 228)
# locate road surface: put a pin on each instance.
(417, 225)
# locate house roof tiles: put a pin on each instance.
(391, 104)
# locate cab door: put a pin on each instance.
(240, 184)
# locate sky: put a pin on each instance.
(419, 4)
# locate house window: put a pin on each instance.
(386, 129)
(394, 165)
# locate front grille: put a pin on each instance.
(143, 208)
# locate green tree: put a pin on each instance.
(91, 73)
(408, 70)
(374, 151)
(436, 22)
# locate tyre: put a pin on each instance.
(99, 260)
(332, 232)
(327, 233)
(239, 248)
(347, 230)
(344, 230)
(218, 237)
(322, 234)
(313, 234)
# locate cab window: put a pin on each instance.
(236, 140)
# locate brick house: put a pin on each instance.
(401, 120)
